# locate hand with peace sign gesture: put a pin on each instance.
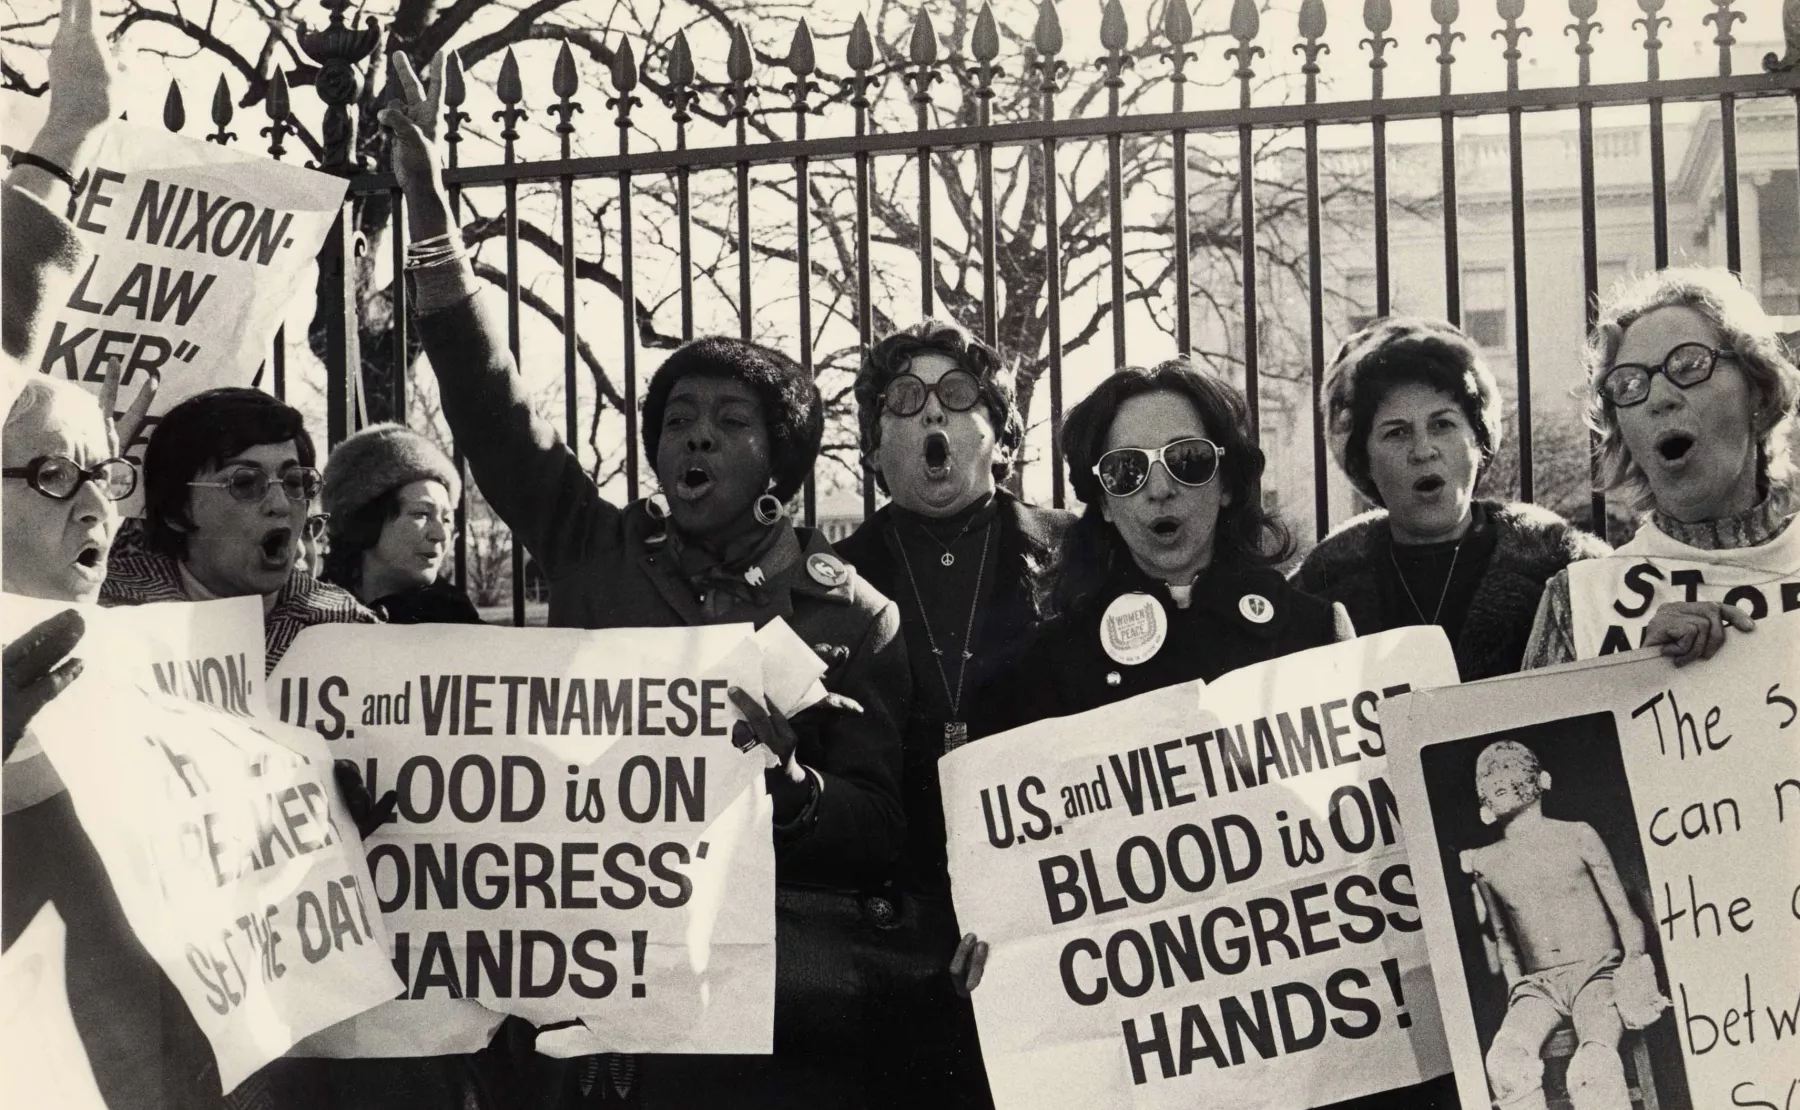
(411, 123)
(83, 88)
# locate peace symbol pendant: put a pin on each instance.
(956, 734)
(947, 559)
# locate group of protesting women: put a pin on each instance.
(954, 612)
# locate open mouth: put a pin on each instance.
(1431, 483)
(1675, 446)
(693, 484)
(277, 546)
(937, 455)
(92, 557)
(1165, 527)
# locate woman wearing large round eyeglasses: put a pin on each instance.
(1173, 543)
(1693, 397)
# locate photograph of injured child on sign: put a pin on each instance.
(1553, 918)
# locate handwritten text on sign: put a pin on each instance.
(1213, 906)
(576, 835)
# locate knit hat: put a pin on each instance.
(380, 458)
(1391, 351)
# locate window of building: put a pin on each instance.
(1485, 298)
(1359, 290)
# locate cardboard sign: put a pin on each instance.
(1213, 907)
(42, 1062)
(1611, 600)
(1608, 861)
(577, 837)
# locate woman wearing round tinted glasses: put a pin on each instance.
(1693, 397)
(1168, 575)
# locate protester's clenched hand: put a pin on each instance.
(411, 124)
(967, 964)
(1690, 630)
(35, 671)
(127, 425)
(368, 813)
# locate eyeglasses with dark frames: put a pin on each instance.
(1192, 462)
(251, 483)
(1686, 366)
(315, 526)
(957, 391)
(59, 477)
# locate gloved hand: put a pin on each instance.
(368, 813)
(35, 671)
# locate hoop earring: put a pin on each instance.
(768, 510)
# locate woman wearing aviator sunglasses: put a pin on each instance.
(1693, 396)
(1168, 575)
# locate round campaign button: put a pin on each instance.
(1256, 608)
(1133, 628)
(826, 569)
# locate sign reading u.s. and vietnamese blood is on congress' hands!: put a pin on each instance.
(232, 857)
(576, 835)
(1199, 897)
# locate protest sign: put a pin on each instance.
(1214, 907)
(1595, 842)
(232, 857)
(197, 252)
(576, 835)
(1611, 600)
(42, 1062)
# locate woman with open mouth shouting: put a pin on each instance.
(1693, 396)
(1414, 417)
(731, 430)
(1168, 575)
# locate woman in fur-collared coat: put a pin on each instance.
(1414, 415)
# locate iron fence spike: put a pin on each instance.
(1378, 16)
(922, 50)
(509, 88)
(1114, 34)
(624, 68)
(800, 52)
(1444, 12)
(221, 103)
(1510, 9)
(1312, 19)
(681, 62)
(174, 114)
(276, 102)
(985, 42)
(454, 91)
(1178, 24)
(1246, 21)
(565, 82)
(738, 64)
(1583, 9)
(859, 52)
(1047, 36)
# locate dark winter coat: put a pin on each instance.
(1531, 544)
(1066, 670)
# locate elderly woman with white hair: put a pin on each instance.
(1693, 396)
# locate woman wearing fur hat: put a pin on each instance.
(731, 430)
(1693, 396)
(391, 498)
(1414, 417)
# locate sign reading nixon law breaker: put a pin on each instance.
(232, 858)
(1199, 897)
(576, 835)
(1679, 788)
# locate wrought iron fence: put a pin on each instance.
(340, 47)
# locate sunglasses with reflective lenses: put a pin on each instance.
(1687, 366)
(58, 477)
(957, 390)
(1192, 462)
(251, 483)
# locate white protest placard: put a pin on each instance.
(576, 835)
(1213, 907)
(42, 1062)
(1615, 844)
(1611, 600)
(197, 253)
(232, 857)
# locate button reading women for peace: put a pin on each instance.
(1133, 628)
(1256, 608)
(826, 570)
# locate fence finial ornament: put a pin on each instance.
(801, 63)
(680, 94)
(1114, 36)
(738, 70)
(454, 95)
(1245, 22)
(1511, 10)
(624, 74)
(1378, 16)
(1445, 12)
(1047, 35)
(336, 49)
(221, 113)
(1178, 28)
(565, 82)
(1312, 28)
(1583, 29)
(276, 105)
(922, 52)
(511, 92)
(174, 112)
